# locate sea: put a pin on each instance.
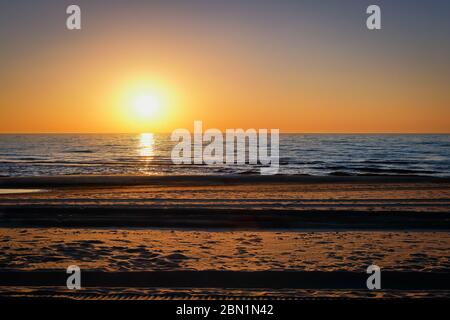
(150, 154)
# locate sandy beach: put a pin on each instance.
(220, 227)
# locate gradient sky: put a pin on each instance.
(300, 66)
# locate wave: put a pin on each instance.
(317, 155)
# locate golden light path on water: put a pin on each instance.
(146, 146)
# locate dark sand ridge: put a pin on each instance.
(233, 279)
(127, 180)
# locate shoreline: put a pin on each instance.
(214, 219)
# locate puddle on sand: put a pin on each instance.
(12, 191)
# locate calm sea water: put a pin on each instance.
(147, 154)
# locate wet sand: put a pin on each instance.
(279, 202)
(203, 180)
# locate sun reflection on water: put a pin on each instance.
(146, 145)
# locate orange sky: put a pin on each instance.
(245, 74)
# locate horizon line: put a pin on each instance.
(288, 132)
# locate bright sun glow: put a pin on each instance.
(145, 106)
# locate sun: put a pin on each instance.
(146, 105)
